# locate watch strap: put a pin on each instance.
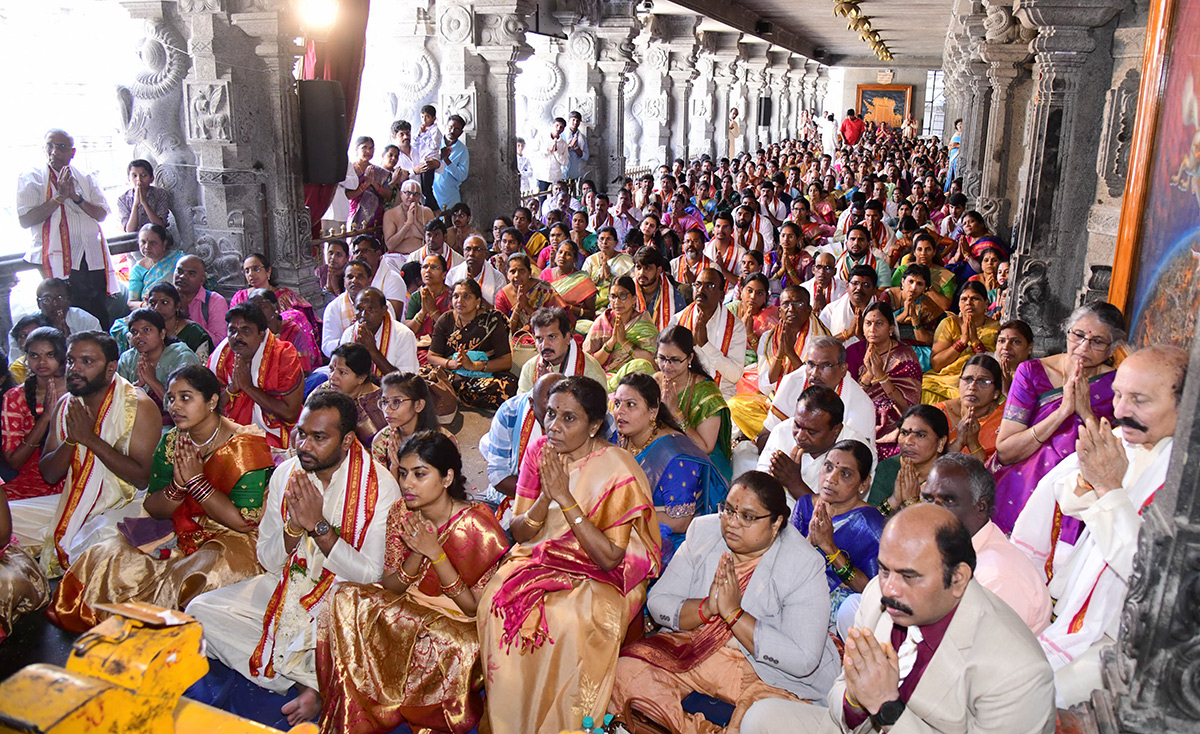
(888, 714)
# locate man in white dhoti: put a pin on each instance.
(1107, 483)
(325, 522)
(103, 437)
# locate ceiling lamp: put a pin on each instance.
(847, 9)
(860, 24)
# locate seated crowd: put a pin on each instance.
(710, 391)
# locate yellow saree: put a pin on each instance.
(384, 659)
(23, 586)
(551, 622)
(942, 385)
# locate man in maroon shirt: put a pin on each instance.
(852, 128)
(932, 650)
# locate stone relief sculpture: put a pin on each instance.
(208, 112)
(416, 77)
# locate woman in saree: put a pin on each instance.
(1049, 400)
(607, 264)
(917, 314)
(407, 407)
(752, 309)
(975, 415)
(584, 240)
(745, 582)
(955, 150)
(294, 331)
(292, 306)
(152, 356)
(553, 617)
(823, 207)
(814, 232)
(164, 298)
(989, 266)
(350, 374)
(373, 189)
(470, 349)
(204, 502)
(685, 483)
(428, 304)
(693, 399)
(441, 552)
(23, 586)
(794, 260)
(573, 285)
(556, 234)
(923, 436)
(964, 260)
(941, 281)
(156, 265)
(839, 522)
(957, 338)
(26, 414)
(888, 371)
(622, 339)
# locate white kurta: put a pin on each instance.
(783, 439)
(730, 363)
(401, 350)
(232, 617)
(837, 289)
(490, 280)
(859, 411)
(1094, 573)
(83, 231)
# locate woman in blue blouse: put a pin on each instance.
(685, 482)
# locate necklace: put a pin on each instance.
(213, 436)
(632, 448)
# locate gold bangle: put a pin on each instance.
(287, 528)
(1033, 430)
(531, 523)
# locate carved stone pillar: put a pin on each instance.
(1060, 146)
(1006, 50)
(682, 71)
(242, 123)
(616, 62)
(703, 106)
(822, 89)
(491, 89)
(758, 81)
(152, 111)
(726, 78)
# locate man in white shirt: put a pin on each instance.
(824, 364)
(339, 313)
(795, 448)
(859, 251)
(407, 161)
(951, 225)
(392, 345)
(770, 205)
(476, 267)
(428, 143)
(725, 254)
(626, 217)
(601, 216)
(384, 278)
(524, 168)
(843, 316)
(963, 485)
(53, 302)
(720, 337)
(63, 208)
(333, 528)
(554, 157)
(577, 147)
(1107, 483)
(824, 287)
(753, 231)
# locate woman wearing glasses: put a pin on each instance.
(622, 337)
(350, 374)
(685, 482)
(407, 408)
(553, 617)
(975, 415)
(693, 399)
(1049, 400)
(745, 614)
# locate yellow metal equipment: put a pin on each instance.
(125, 676)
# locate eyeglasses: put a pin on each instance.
(392, 403)
(622, 296)
(980, 381)
(819, 366)
(1093, 343)
(822, 267)
(792, 304)
(729, 512)
(671, 360)
(708, 285)
(59, 146)
(56, 298)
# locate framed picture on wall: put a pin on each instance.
(889, 103)
(1156, 269)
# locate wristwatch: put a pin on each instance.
(889, 713)
(78, 200)
(321, 529)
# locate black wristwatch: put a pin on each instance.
(889, 713)
(79, 200)
(321, 529)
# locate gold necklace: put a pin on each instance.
(630, 446)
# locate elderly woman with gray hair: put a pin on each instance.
(1048, 402)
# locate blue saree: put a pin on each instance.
(684, 480)
(856, 532)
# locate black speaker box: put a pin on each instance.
(323, 131)
(764, 111)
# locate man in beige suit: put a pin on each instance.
(933, 651)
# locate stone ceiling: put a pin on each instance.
(914, 30)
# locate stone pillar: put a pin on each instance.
(242, 123)
(704, 103)
(1006, 49)
(820, 102)
(484, 82)
(684, 49)
(758, 81)
(726, 80)
(615, 36)
(1060, 145)
(152, 111)
(975, 117)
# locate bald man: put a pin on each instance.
(932, 650)
(391, 344)
(404, 224)
(203, 306)
(1110, 479)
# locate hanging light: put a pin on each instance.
(317, 17)
(847, 8)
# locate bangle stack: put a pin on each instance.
(846, 572)
(533, 524)
(1033, 430)
(732, 619)
(198, 487)
(454, 589)
(960, 345)
(287, 528)
(700, 611)
(405, 576)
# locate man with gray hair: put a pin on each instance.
(963, 485)
(63, 208)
